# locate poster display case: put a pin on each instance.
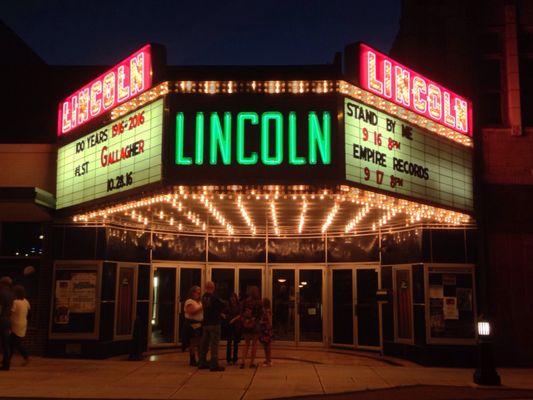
(75, 303)
(450, 300)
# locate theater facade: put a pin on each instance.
(345, 193)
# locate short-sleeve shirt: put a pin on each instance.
(194, 317)
(19, 317)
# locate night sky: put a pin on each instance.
(91, 32)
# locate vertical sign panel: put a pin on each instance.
(121, 83)
(395, 82)
(122, 155)
(392, 155)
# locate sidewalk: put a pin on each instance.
(296, 372)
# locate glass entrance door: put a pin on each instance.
(283, 304)
(367, 308)
(224, 279)
(297, 305)
(342, 294)
(355, 317)
(163, 313)
(310, 308)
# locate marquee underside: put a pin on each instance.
(284, 211)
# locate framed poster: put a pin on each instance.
(450, 297)
(75, 310)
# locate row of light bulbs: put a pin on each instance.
(245, 215)
(274, 216)
(216, 214)
(302, 216)
(361, 214)
(330, 217)
(273, 87)
(390, 206)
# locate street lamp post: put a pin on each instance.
(485, 373)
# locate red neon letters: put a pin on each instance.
(391, 80)
(124, 81)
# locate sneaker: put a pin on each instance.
(203, 366)
(217, 369)
(253, 365)
(241, 366)
(267, 364)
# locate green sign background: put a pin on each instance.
(81, 176)
(447, 165)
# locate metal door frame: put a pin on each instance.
(236, 272)
(353, 267)
(177, 300)
(297, 267)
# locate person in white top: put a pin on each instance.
(194, 315)
(19, 322)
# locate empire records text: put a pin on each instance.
(379, 157)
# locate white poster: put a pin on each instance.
(83, 297)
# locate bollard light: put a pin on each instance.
(485, 373)
(483, 328)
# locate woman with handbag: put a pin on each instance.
(250, 316)
(194, 315)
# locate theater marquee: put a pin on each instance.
(120, 156)
(389, 154)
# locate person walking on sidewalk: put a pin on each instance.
(233, 330)
(19, 322)
(6, 304)
(194, 314)
(213, 307)
(265, 332)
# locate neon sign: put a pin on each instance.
(393, 81)
(124, 81)
(251, 138)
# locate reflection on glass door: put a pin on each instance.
(163, 319)
(342, 296)
(189, 277)
(367, 308)
(283, 301)
(224, 279)
(249, 277)
(310, 305)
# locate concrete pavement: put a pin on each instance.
(296, 372)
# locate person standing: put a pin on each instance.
(250, 316)
(6, 304)
(233, 317)
(213, 307)
(265, 332)
(19, 322)
(194, 315)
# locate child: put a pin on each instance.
(265, 332)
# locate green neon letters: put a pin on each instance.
(250, 138)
